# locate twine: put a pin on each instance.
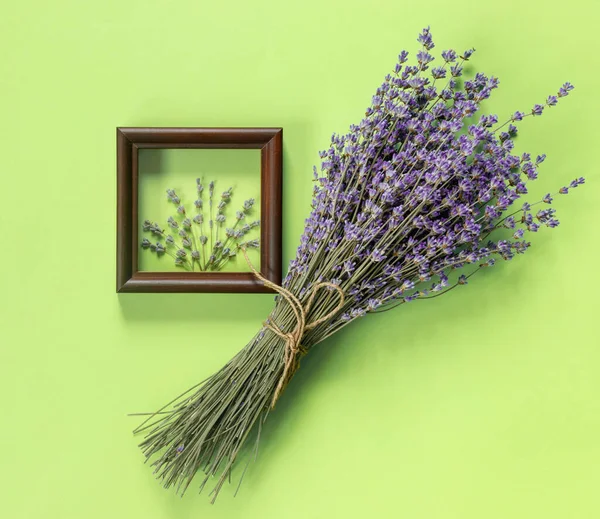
(293, 348)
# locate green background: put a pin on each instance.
(178, 169)
(482, 404)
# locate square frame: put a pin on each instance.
(131, 140)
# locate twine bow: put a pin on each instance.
(293, 346)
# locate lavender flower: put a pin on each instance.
(207, 251)
(172, 223)
(173, 196)
(408, 156)
(537, 110)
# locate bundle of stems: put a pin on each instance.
(409, 205)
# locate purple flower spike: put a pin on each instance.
(425, 39)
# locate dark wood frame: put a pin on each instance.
(130, 141)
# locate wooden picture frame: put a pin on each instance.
(130, 141)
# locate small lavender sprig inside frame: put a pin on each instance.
(200, 243)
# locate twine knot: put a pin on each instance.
(293, 347)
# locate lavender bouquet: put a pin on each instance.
(408, 205)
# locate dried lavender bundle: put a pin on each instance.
(408, 205)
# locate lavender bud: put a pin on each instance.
(195, 255)
(203, 240)
(239, 215)
(156, 229)
(248, 204)
(172, 223)
(537, 110)
(187, 223)
(199, 219)
(173, 196)
(146, 243)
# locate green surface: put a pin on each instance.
(483, 404)
(162, 169)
